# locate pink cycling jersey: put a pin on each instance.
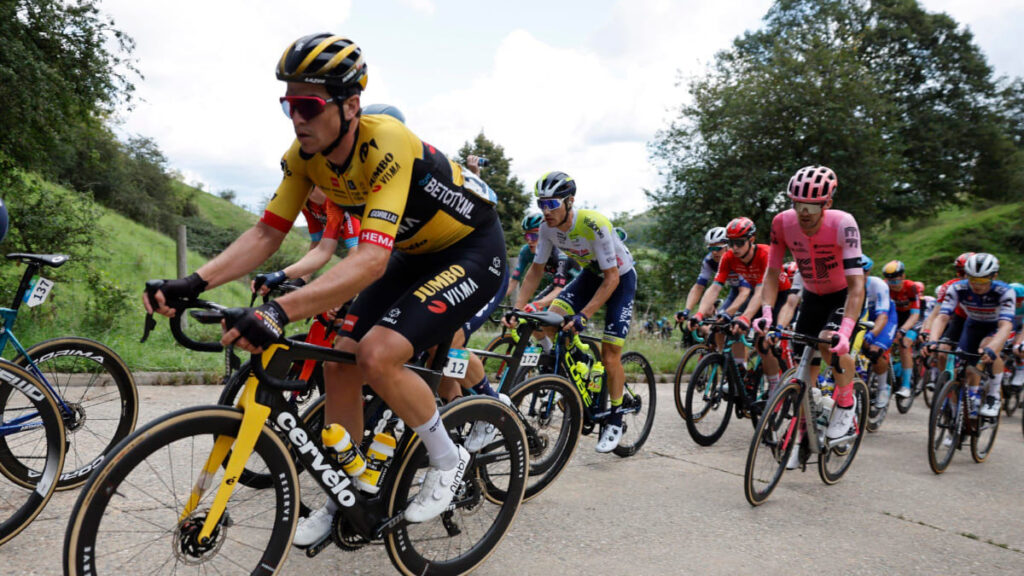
(825, 259)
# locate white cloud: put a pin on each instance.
(421, 6)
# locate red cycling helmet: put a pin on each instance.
(920, 287)
(961, 262)
(740, 228)
(790, 269)
(813, 184)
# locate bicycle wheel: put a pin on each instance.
(552, 415)
(903, 404)
(229, 396)
(100, 393)
(31, 431)
(876, 415)
(692, 353)
(835, 460)
(484, 506)
(495, 367)
(931, 383)
(776, 435)
(127, 520)
(1011, 397)
(944, 423)
(639, 399)
(708, 401)
(985, 438)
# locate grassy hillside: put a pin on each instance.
(929, 246)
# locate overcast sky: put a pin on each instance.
(579, 86)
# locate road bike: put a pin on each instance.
(952, 418)
(694, 348)
(793, 420)
(170, 499)
(94, 390)
(31, 430)
(718, 385)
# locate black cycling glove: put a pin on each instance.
(187, 288)
(262, 325)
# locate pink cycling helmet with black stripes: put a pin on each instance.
(813, 184)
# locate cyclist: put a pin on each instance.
(739, 290)
(908, 310)
(607, 281)
(1018, 341)
(826, 246)
(989, 304)
(431, 253)
(956, 323)
(790, 291)
(558, 270)
(748, 259)
(881, 310)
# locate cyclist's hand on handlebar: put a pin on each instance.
(682, 316)
(187, 288)
(531, 307)
(575, 323)
(694, 321)
(840, 344)
(264, 283)
(257, 328)
(509, 319)
(764, 323)
(723, 318)
(988, 355)
(740, 325)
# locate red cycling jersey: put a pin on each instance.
(940, 297)
(328, 220)
(752, 272)
(906, 297)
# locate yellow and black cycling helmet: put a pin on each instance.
(334, 61)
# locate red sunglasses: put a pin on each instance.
(308, 107)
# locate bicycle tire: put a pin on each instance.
(836, 460)
(775, 437)
(984, 438)
(232, 391)
(416, 548)
(678, 386)
(876, 415)
(494, 367)
(639, 400)
(707, 394)
(1011, 399)
(931, 376)
(903, 405)
(23, 496)
(944, 422)
(548, 406)
(104, 400)
(91, 549)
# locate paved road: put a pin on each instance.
(678, 508)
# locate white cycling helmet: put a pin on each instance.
(982, 265)
(715, 236)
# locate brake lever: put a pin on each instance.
(152, 287)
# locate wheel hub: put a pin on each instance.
(76, 419)
(187, 546)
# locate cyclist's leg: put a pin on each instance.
(993, 391)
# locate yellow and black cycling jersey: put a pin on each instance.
(410, 196)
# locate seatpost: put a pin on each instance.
(26, 279)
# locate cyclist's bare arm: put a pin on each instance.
(530, 283)
(769, 289)
(741, 296)
(338, 285)
(548, 298)
(707, 301)
(854, 297)
(754, 306)
(313, 260)
(693, 298)
(788, 309)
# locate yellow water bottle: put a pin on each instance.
(338, 439)
(381, 451)
(596, 377)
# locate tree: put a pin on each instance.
(896, 100)
(512, 200)
(63, 66)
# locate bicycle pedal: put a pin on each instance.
(317, 547)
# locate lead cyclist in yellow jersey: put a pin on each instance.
(431, 253)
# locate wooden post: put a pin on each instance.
(182, 245)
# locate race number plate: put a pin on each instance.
(531, 356)
(458, 361)
(38, 292)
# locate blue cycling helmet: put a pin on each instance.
(866, 263)
(385, 109)
(1019, 289)
(3, 220)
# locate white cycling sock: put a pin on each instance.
(545, 344)
(440, 448)
(994, 385)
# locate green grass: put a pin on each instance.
(928, 246)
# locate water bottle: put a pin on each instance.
(973, 400)
(338, 439)
(377, 460)
(596, 377)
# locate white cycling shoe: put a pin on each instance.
(611, 435)
(903, 392)
(482, 432)
(437, 490)
(313, 528)
(842, 423)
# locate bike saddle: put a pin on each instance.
(54, 260)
